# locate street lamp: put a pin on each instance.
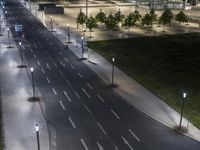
(82, 46)
(33, 83)
(51, 24)
(21, 53)
(68, 34)
(183, 103)
(35, 10)
(188, 16)
(37, 134)
(9, 44)
(113, 66)
(86, 9)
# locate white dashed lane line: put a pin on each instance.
(54, 91)
(72, 66)
(115, 114)
(89, 85)
(133, 134)
(66, 59)
(87, 109)
(100, 98)
(102, 129)
(80, 75)
(72, 123)
(42, 70)
(48, 80)
(69, 99)
(84, 145)
(38, 62)
(62, 105)
(86, 93)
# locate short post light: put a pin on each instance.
(82, 46)
(182, 108)
(51, 24)
(113, 67)
(9, 44)
(21, 53)
(188, 16)
(33, 82)
(68, 34)
(37, 134)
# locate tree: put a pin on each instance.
(119, 16)
(153, 16)
(166, 18)
(129, 21)
(81, 18)
(146, 20)
(110, 22)
(181, 17)
(91, 23)
(136, 16)
(100, 17)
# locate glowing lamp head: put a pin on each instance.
(32, 69)
(184, 95)
(20, 43)
(113, 59)
(36, 127)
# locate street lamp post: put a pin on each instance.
(188, 16)
(33, 83)
(82, 46)
(86, 9)
(183, 103)
(113, 67)
(0, 29)
(9, 44)
(21, 53)
(68, 34)
(35, 10)
(51, 24)
(37, 134)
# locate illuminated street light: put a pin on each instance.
(183, 103)
(21, 53)
(9, 44)
(82, 46)
(37, 134)
(68, 34)
(113, 66)
(33, 83)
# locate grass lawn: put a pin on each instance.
(166, 65)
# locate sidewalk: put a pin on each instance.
(129, 89)
(19, 115)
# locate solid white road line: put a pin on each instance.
(84, 145)
(61, 104)
(86, 93)
(42, 70)
(87, 109)
(135, 136)
(127, 143)
(80, 75)
(115, 114)
(48, 80)
(100, 98)
(54, 91)
(99, 146)
(89, 85)
(69, 99)
(101, 128)
(72, 123)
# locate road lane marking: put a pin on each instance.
(115, 114)
(34, 56)
(31, 50)
(135, 136)
(84, 145)
(86, 93)
(42, 70)
(100, 98)
(66, 59)
(99, 146)
(80, 75)
(60, 53)
(127, 143)
(72, 123)
(48, 80)
(61, 104)
(102, 129)
(35, 45)
(49, 58)
(38, 62)
(72, 66)
(54, 91)
(55, 64)
(68, 83)
(61, 73)
(55, 48)
(47, 66)
(90, 86)
(69, 99)
(76, 93)
(116, 148)
(87, 109)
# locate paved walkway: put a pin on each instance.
(19, 114)
(128, 88)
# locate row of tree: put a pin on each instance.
(112, 21)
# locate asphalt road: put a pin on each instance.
(83, 112)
